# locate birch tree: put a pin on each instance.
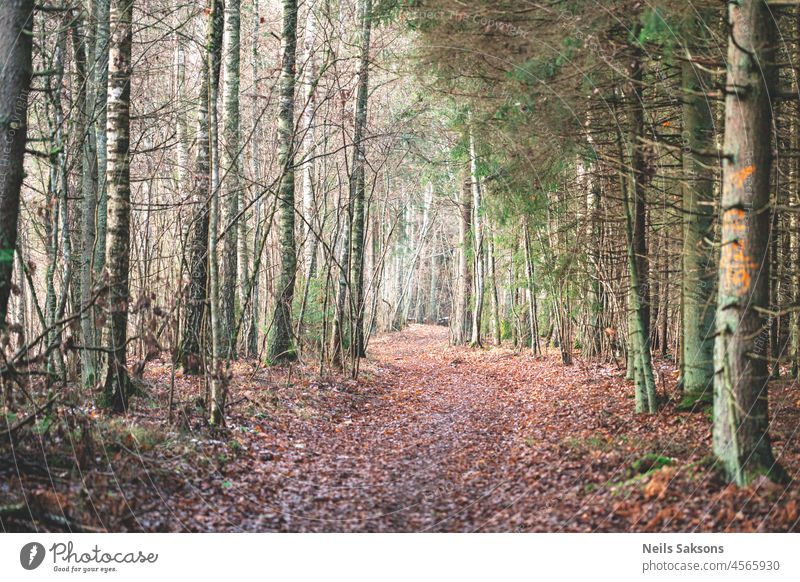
(461, 316)
(116, 382)
(477, 240)
(310, 74)
(231, 171)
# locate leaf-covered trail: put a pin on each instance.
(436, 438)
(427, 454)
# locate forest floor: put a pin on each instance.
(430, 438)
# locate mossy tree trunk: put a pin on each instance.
(280, 341)
(640, 346)
(216, 370)
(698, 253)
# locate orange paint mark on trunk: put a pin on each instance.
(740, 176)
(737, 265)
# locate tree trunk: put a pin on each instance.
(594, 233)
(57, 227)
(337, 331)
(477, 242)
(255, 299)
(280, 344)
(192, 342)
(219, 341)
(640, 367)
(639, 178)
(117, 383)
(642, 361)
(741, 421)
(310, 224)
(432, 314)
(16, 41)
(217, 373)
(357, 181)
(310, 73)
(533, 316)
(89, 183)
(461, 320)
(231, 172)
(496, 331)
(103, 32)
(698, 253)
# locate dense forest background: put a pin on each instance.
(212, 212)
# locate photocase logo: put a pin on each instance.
(31, 555)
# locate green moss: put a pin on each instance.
(651, 462)
(694, 403)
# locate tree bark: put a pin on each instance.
(16, 41)
(255, 300)
(103, 32)
(357, 181)
(280, 344)
(740, 438)
(461, 320)
(231, 172)
(639, 178)
(533, 316)
(496, 323)
(192, 341)
(698, 286)
(89, 186)
(477, 241)
(642, 359)
(310, 73)
(117, 383)
(218, 375)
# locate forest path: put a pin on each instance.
(447, 439)
(427, 455)
(440, 438)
